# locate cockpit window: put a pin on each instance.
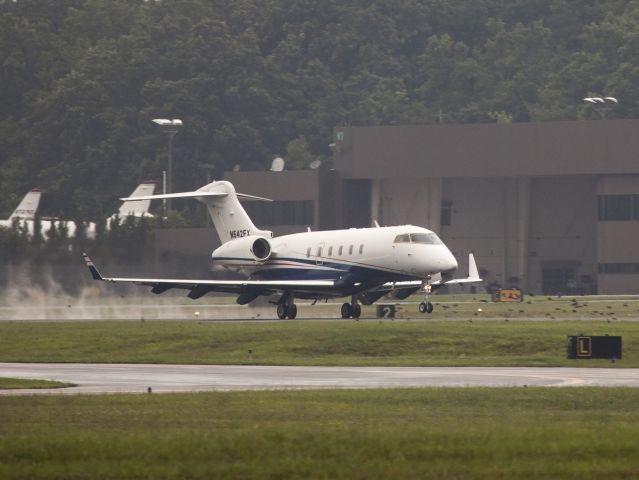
(424, 238)
(427, 238)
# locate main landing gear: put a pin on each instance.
(352, 310)
(286, 308)
(286, 311)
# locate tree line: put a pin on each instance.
(128, 239)
(251, 79)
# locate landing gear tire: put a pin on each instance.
(351, 311)
(426, 307)
(286, 311)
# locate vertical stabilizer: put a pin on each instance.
(229, 217)
(28, 206)
(138, 208)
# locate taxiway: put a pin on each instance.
(127, 378)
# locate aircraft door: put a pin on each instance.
(402, 251)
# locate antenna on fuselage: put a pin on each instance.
(376, 224)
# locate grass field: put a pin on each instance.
(328, 342)
(439, 433)
(523, 433)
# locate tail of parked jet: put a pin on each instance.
(135, 208)
(138, 208)
(28, 206)
(230, 219)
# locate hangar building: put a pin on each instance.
(549, 207)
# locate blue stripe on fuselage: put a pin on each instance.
(309, 269)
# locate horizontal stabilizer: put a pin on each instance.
(196, 194)
(176, 195)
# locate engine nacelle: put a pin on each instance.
(254, 248)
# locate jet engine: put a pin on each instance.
(253, 248)
(261, 249)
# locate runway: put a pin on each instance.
(126, 378)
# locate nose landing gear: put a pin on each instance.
(426, 306)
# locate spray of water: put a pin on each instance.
(45, 297)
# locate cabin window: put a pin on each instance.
(361, 249)
(340, 250)
(350, 250)
(319, 251)
(308, 252)
(330, 251)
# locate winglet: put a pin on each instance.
(473, 272)
(94, 271)
(473, 275)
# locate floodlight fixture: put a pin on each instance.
(165, 121)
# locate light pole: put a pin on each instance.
(170, 127)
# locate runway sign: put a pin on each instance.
(508, 295)
(583, 346)
(385, 311)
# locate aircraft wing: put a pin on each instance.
(200, 287)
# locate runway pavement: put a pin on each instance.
(126, 378)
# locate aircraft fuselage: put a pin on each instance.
(355, 259)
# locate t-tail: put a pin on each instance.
(28, 206)
(222, 201)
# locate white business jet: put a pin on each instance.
(363, 263)
(26, 209)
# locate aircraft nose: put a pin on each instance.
(449, 262)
